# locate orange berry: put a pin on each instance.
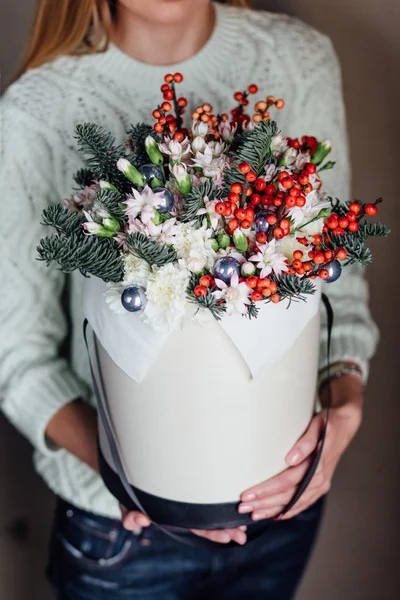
(236, 188)
(297, 264)
(263, 283)
(355, 207)
(266, 292)
(341, 254)
(256, 296)
(200, 291)
(298, 254)
(261, 106)
(280, 103)
(167, 106)
(261, 237)
(319, 258)
(279, 233)
(245, 224)
(205, 280)
(324, 274)
(275, 298)
(273, 287)
(252, 281)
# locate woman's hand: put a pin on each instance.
(132, 520)
(268, 499)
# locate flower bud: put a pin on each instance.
(288, 158)
(240, 240)
(198, 144)
(321, 152)
(153, 152)
(131, 172)
(248, 269)
(182, 178)
(111, 223)
(223, 240)
(92, 228)
(214, 245)
(105, 185)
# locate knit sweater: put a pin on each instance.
(40, 305)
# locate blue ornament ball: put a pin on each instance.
(167, 201)
(260, 221)
(152, 174)
(335, 270)
(225, 267)
(134, 299)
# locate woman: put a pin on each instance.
(71, 75)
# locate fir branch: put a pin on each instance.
(294, 287)
(101, 154)
(155, 253)
(254, 148)
(88, 254)
(252, 310)
(368, 229)
(136, 137)
(84, 177)
(353, 243)
(194, 201)
(112, 201)
(208, 301)
(63, 220)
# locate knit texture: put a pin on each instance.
(39, 112)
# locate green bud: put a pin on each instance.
(214, 245)
(157, 217)
(131, 172)
(321, 152)
(111, 224)
(324, 212)
(156, 183)
(182, 178)
(327, 166)
(106, 185)
(224, 240)
(153, 151)
(248, 269)
(240, 240)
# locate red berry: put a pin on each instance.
(351, 216)
(310, 168)
(237, 188)
(343, 222)
(271, 219)
(300, 201)
(252, 89)
(178, 136)
(319, 258)
(200, 291)
(245, 224)
(324, 274)
(287, 183)
(169, 78)
(260, 185)
(178, 77)
(240, 213)
(275, 298)
(256, 296)
(279, 233)
(294, 191)
(328, 255)
(371, 209)
(341, 254)
(228, 209)
(205, 280)
(250, 213)
(251, 176)
(353, 227)
(182, 102)
(355, 207)
(220, 208)
(256, 199)
(238, 96)
(244, 167)
(339, 231)
(277, 202)
(158, 128)
(296, 264)
(290, 201)
(167, 106)
(298, 254)
(168, 95)
(332, 222)
(252, 281)
(285, 224)
(261, 237)
(232, 197)
(270, 189)
(233, 224)
(303, 179)
(165, 87)
(156, 114)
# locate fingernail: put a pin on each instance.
(142, 520)
(245, 508)
(248, 497)
(293, 459)
(257, 516)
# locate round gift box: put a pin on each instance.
(199, 429)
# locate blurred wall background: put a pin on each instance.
(358, 551)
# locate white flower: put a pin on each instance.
(231, 251)
(301, 160)
(199, 128)
(278, 144)
(227, 131)
(211, 166)
(269, 260)
(142, 203)
(112, 296)
(270, 172)
(166, 293)
(236, 295)
(210, 210)
(165, 232)
(289, 244)
(198, 144)
(217, 148)
(314, 203)
(176, 150)
(194, 248)
(136, 271)
(179, 171)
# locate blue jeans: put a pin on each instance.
(94, 558)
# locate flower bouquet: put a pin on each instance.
(196, 241)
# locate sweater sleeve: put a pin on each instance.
(35, 382)
(322, 113)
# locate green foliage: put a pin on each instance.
(368, 229)
(208, 301)
(253, 147)
(63, 220)
(112, 201)
(101, 154)
(88, 254)
(353, 243)
(252, 310)
(155, 253)
(293, 287)
(84, 177)
(136, 137)
(194, 201)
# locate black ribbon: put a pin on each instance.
(191, 540)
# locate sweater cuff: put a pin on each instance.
(32, 404)
(345, 349)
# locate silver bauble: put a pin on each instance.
(152, 174)
(335, 270)
(260, 221)
(225, 268)
(134, 299)
(166, 201)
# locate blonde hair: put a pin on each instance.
(72, 27)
